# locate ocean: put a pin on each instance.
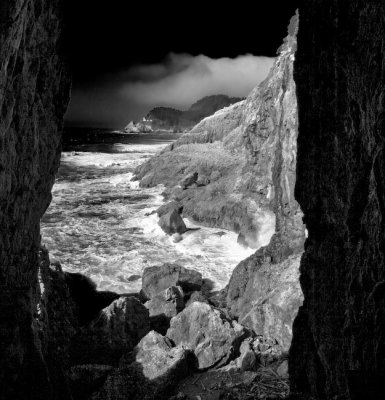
(102, 224)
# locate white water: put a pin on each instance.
(100, 224)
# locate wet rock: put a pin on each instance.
(171, 206)
(156, 368)
(163, 306)
(117, 329)
(86, 379)
(176, 238)
(189, 180)
(156, 279)
(172, 222)
(214, 339)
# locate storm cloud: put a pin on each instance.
(178, 81)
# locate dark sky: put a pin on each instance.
(110, 43)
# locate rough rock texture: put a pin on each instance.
(34, 91)
(172, 222)
(164, 306)
(245, 157)
(157, 279)
(213, 337)
(338, 350)
(156, 368)
(264, 291)
(172, 120)
(117, 329)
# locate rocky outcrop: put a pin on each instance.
(172, 120)
(138, 127)
(155, 369)
(172, 222)
(34, 92)
(157, 279)
(117, 329)
(213, 337)
(339, 334)
(263, 292)
(244, 158)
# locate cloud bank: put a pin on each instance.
(178, 81)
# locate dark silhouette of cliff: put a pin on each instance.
(338, 349)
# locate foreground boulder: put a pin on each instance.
(172, 222)
(266, 297)
(207, 331)
(117, 329)
(156, 368)
(156, 279)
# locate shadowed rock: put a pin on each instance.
(156, 368)
(117, 329)
(164, 306)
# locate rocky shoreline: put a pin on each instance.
(144, 345)
(140, 346)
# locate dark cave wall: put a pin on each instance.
(338, 349)
(34, 91)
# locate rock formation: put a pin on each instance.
(243, 161)
(172, 120)
(338, 349)
(264, 292)
(34, 91)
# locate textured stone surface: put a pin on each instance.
(172, 222)
(157, 367)
(164, 306)
(117, 329)
(34, 91)
(338, 349)
(264, 290)
(213, 337)
(157, 279)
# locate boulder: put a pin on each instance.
(189, 180)
(83, 380)
(164, 306)
(265, 296)
(156, 279)
(172, 222)
(213, 337)
(156, 368)
(117, 329)
(171, 206)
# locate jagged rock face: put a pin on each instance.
(245, 158)
(264, 289)
(34, 90)
(338, 349)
